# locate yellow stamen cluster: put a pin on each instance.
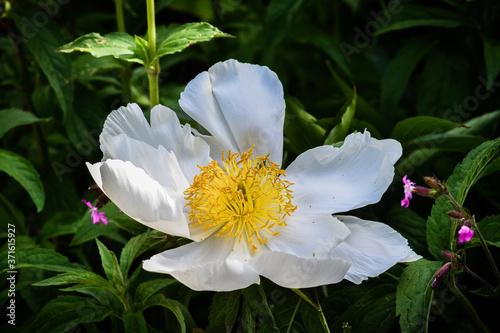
(243, 198)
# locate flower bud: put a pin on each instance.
(450, 255)
(441, 275)
(422, 191)
(432, 182)
(455, 214)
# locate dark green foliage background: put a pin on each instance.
(420, 69)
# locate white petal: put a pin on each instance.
(141, 197)
(158, 163)
(239, 104)
(372, 248)
(128, 120)
(329, 179)
(290, 271)
(204, 266)
(309, 235)
(190, 150)
(127, 126)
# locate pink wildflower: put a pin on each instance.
(408, 188)
(465, 234)
(96, 215)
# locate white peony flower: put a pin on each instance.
(227, 192)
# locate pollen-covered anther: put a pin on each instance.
(244, 198)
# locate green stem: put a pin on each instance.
(477, 277)
(323, 321)
(460, 209)
(469, 309)
(311, 297)
(153, 89)
(120, 21)
(153, 68)
(487, 251)
(293, 315)
(457, 206)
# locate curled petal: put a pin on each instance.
(241, 105)
(372, 248)
(128, 136)
(333, 180)
(205, 266)
(290, 271)
(141, 197)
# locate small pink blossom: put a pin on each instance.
(96, 215)
(465, 234)
(408, 188)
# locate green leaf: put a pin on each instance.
(174, 306)
(131, 251)
(415, 127)
(61, 223)
(310, 296)
(490, 229)
(110, 265)
(223, 311)
(79, 134)
(81, 277)
(249, 318)
(300, 127)
(352, 3)
(104, 296)
(311, 35)
(493, 167)
(142, 50)
(25, 174)
(40, 258)
(134, 322)
(176, 39)
(466, 173)
(285, 305)
(255, 302)
(363, 109)
(137, 245)
(16, 117)
(422, 16)
(149, 288)
(443, 79)
(399, 70)
(374, 311)
(340, 131)
(414, 295)
(440, 228)
(310, 318)
(57, 67)
(117, 44)
(279, 16)
(128, 224)
(492, 61)
(477, 125)
(65, 312)
(446, 142)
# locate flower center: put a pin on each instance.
(244, 198)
